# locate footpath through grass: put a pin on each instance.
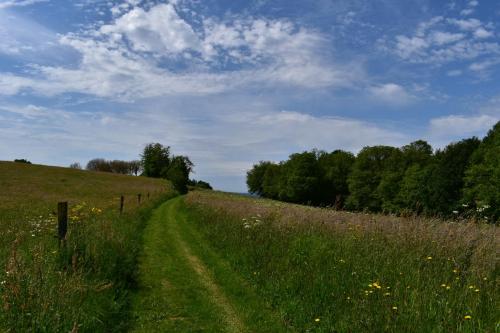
(185, 287)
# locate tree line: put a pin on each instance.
(156, 162)
(463, 178)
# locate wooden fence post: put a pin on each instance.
(139, 198)
(62, 221)
(122, 199)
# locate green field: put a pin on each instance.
(328, 271)
(216, 262)
(85, 285)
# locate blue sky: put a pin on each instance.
(230, 83)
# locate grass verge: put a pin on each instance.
(324, 271)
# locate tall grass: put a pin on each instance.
(327, 271)
(84, 285)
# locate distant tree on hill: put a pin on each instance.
(75, 165)
(178, 172)
(22, 160)
(99, 164)
(158, 163)
(155, 160)
(199, 184)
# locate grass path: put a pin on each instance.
(186, 287)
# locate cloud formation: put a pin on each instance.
(134, 57)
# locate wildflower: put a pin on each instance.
(471, 287)
(455, 212)
(348, 298)
(317, 320)
(455, 271)
(448, 287)
(429, 258)
(443, 285)
(476, 290)
(465, 205)
(467, 317)
(394, 308)
(387, 294)
(485, 278)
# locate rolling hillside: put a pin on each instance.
(82, 285)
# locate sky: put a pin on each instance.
(229, 83)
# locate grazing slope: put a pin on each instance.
(84, 285)
(41, 186)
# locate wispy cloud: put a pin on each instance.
(18, 3)
(132, 58)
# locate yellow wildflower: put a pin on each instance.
(467, 317)
(394, 307)
(317, 320)
(429, 258)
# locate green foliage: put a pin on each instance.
(22, 160)
(335, 168)
(301, 178)
(178, 173)
(372, 164)
(255, 177)
(445, 178)
(410, 179)
(157, 163)
(200, 184)
(155, 160)
(483, 177)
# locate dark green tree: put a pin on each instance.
(255, 177)
(178, 173)
(335, 167)
(482, 178)
(301, 178)
(445, 176)
(155, 160)
(368, 170)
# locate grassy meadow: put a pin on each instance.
(328, 271)
(84, 286)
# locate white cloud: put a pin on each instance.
(159, 30)
(484, 65)
(460, 126)
(454, 72)
(391, 93)
(482, 33)
(466, 24)
(442, 40)
(18, 3)
(130, 58)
